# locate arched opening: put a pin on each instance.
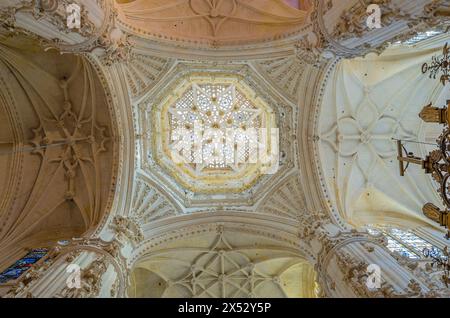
(223, 264)
(57, 148)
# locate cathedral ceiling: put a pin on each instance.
(151, 112)
(186, 235)
(367, 104)
(215, 22)
(223, 263)
(58, 129)
(289, 74)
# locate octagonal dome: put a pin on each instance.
(216, 135)
(220, 97)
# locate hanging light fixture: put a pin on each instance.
(439, 64)
(436, 163)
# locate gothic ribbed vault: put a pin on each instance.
(94, 175)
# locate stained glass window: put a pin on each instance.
(22, 265)
(403, 242)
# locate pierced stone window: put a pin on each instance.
(215, 109)
(214, 134)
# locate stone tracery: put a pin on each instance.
(219, 107)
(157, 212)
(223, 270)
(63, 140)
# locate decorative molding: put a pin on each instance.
(268, 229)
(223, 269)
(287, 73)
(150, 204)
(91, 281)
(47, 22)
(425, 273)
(287, 200)
(283, 110)
(127, 229)
(55, 262)
(33, 275)
(355, 274)
(142, 71)
(350, 36)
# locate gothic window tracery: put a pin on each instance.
(22, 265)
(425, 35)
(402, 242)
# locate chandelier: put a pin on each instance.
(440, 64)
(436, 163)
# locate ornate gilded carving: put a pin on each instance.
(355, 274)
(8, 18)
(432, 114)
(438, 65)
(352, 22)
(352, 26)
(91, 35)
(91, 280)
(127, 229)
(434, 213)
